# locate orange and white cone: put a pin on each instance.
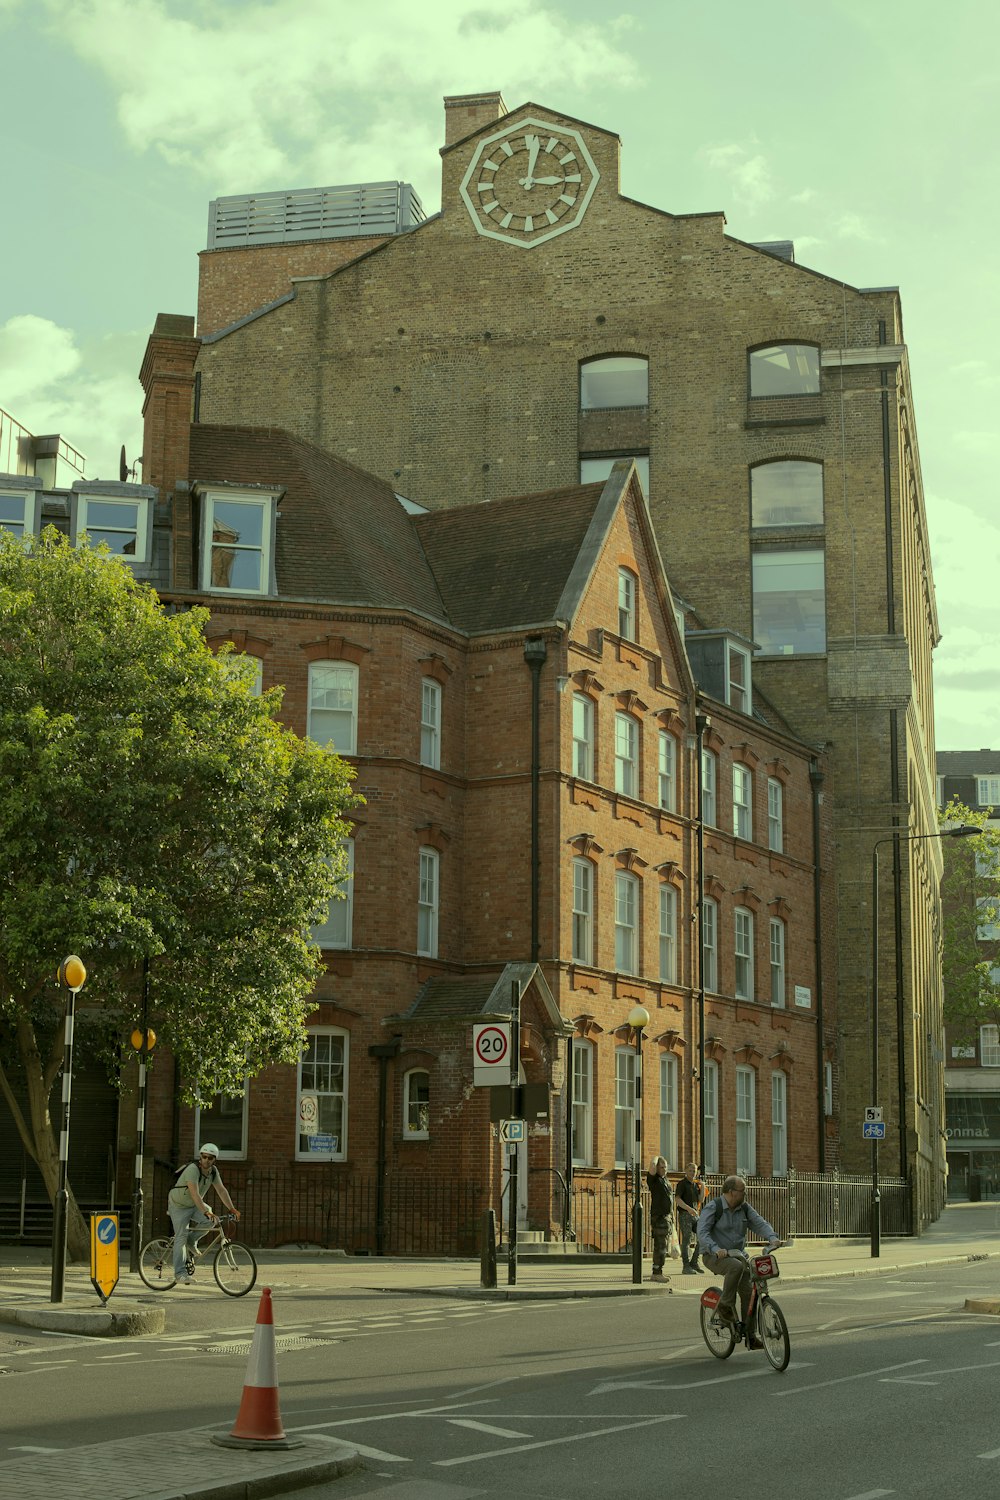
(258, 1421)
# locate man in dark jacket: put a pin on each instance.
(660, 1212)
(690, 1195)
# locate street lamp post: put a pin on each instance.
(963, 830)
(638, 1018)
(72, 976)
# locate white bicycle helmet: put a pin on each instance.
(207, 1149)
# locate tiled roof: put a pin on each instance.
(968, 762)
(342, 536)
(506, 564)
(452, 998)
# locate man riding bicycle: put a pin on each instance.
(187, 1207)
(723, 1226)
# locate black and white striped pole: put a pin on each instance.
(143, 1041)
(638, 1018)
(72, 976)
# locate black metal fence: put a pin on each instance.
(326, 1207)
(833, 1204)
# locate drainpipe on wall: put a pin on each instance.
(534, 654)
(816, 780)
(702, 724)
(383, 1051)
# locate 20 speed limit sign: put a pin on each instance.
(490, 1045)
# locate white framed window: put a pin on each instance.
(624, 1105)
(583, 911)
(777, 949)
(987, 790)
(738, 678)
(988, 921)
(667, 771)
(338, 929)
(19, 512)
(828, 1088)
(789, 601)
(430, 723)
(710, 944)
(989, 1046)
(668, 1108)
(427, 903)
(668, 937)
(416, 1105)
(614, 380)
(237, 542)
(626, 604)
(332, 714)
(709, 781)
(626, 755)
(710, 1099)
(746, 1122)
(775, 815)
(583, 737)
(784, 370)
(743, 947)
(592, 469)
(940, 791)
(237, 661)
(626, 922)
(779, 1124)
(224, 1121)
(322, 1076)
(583, 1102)
(122, 525)
(742, 802)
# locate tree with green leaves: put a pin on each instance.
(152, 810)
(970, 900)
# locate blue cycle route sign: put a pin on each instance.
(874, 1130)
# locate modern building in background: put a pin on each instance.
(542, 326)
(972, 1065)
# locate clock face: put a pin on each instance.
(529, 182)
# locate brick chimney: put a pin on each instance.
(464, 113)
(167, 377)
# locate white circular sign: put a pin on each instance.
(308, 1111)
(491, 1044)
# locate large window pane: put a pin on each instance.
(624, 1105)
(784, 370)
(668, 937)
(668, 1109)
(786, 494)
(779, 1125)
(710, 1096)
(617, 381)
(583, 911)
(583, 1101)
(237, 545)
(583, 737)
(789, 603)
(427, 904)
(332, 715)
(323, 1076)
(626, 756)
(746, 1122)
(626, 923)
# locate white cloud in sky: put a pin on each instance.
(90, 394)
(306, 92)
(749, 175)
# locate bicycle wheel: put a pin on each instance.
(235, 1269)
(156, 1265)
(719, 1335)
(774, 1333)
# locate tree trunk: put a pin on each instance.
(38, 1131)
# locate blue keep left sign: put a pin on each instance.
(107, 1231)
(104, 1267)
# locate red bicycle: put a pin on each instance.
(764, 1320)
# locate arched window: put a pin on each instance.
(786, 493)
(333, 705)
(618, 380)
(417, 1104)
(784, 370)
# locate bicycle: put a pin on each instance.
(233, 1265)
(764, 1319)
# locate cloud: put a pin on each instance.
(749, 175)
(88, 393)
(851, 226)
(304, 92)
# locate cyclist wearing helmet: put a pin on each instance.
(189, 1213)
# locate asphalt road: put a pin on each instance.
(891, 1391)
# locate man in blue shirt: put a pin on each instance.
(723, 1225)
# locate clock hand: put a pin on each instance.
(546, 181)
(534, 144)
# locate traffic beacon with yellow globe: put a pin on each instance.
(71, 976)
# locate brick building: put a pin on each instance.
(543, 325)
(514, 690)
(972, 1052)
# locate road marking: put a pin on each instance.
(471, 1390)
(574, 1437)
(824, 1326)
(871, 1495)
(386, 1458)
(128, 1354)
(485, 1427)
(892, 1323)
(906, 1380)
(843, 1379)
(663, 1385)
(26, 1448)
(994, 1453)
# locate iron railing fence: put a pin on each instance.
(328, 1208)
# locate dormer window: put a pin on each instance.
(238, 542)
(738, 678)
(121, 522)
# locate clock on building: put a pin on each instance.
(529, 182)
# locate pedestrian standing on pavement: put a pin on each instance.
(661, 1218)
(689, 1195)
(723, 1226)
(189, 1213)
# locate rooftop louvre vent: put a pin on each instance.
(331, 213)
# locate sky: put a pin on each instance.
(865, 133)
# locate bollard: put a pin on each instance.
(488, 1249)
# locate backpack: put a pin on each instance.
(717, 1205)
(212, 1175)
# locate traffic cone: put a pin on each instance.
(258, 1421)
